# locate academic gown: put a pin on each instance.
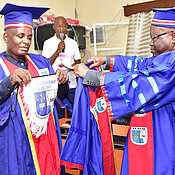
(89, 145)
(20, 151)
(142, 85)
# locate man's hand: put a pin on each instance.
(61, 46)
(98, 61)
(80, 70)
(20, 76)
(62, 76)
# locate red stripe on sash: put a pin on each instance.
(47, 148)
(109, 165)
(111, 63)
(140, 145)
(70, 165)
(11, 67)
(32, 68)
(106, 98)
(48, 151)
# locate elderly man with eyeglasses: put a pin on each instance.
(146, 88)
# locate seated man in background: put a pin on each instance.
(145, 86)
(30, 142)
(62, 51)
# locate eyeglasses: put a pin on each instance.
(156, 37)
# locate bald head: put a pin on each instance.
(60, 18)
(60, 26)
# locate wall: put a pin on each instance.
(89, 12)
(57, 7)
(104, 11)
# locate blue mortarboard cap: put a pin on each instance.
(164, 17)
(20, 16)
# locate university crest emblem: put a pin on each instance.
(100, 104)
(43, 107)
(139, 135)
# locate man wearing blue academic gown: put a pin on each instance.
(21, 152)
(142, 85)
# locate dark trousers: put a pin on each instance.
(71, 95)
(62, 112)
